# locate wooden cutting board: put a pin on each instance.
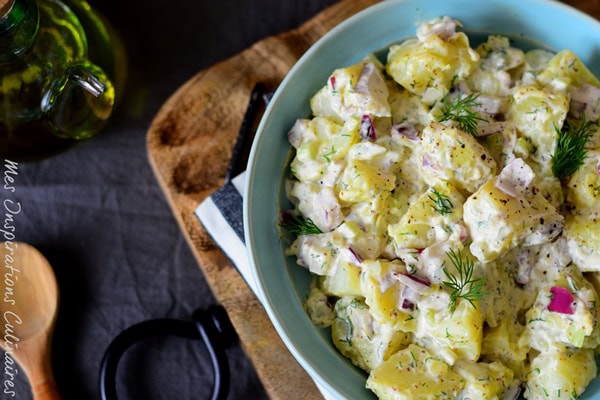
(190, 143)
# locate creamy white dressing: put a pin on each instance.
(398, 188)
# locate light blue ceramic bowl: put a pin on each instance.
(281, 283)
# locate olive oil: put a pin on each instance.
(55, 88)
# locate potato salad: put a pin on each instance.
(446, 200)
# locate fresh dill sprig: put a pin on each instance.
(459, 110)
(462, 284)
(329, 154)
(441, 203)
(297, 224)
(570, 151)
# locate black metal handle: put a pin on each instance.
(252, 116)
(212, 326)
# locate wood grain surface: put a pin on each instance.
(190, 143)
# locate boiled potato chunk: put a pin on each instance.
(484, 380)
(508, 343)
(414, 373)
(429, 219)
(406, 106)
(431, 63)
(537, 114)
(560, 373)
(576, 326)
(499, 222)
(583, 189)
(344, 282)
(503, 296)
(359, 337)
(451, 155)
(322, 253)
(548, 185)
(317, 203)
(497, 59)
(497, 54)
(363, 180)
(319, 143)
(455, 334)
(308, 165)
(357, 90)
(317, 305)
(373, 217)
(583, 238)
(382, 293)
(568, 68)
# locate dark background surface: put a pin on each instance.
(97, 213)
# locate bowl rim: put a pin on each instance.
(268, 303)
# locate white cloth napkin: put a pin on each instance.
(221, 214)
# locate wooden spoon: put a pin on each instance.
(28, 307)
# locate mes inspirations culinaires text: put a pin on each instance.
(10, 320)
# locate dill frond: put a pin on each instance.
(298, 225)
(441, 203)
(570, 152)
(461, 282)
(459, 110)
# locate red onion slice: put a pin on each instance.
(444, 28)
(561, 300)
(414, 282)
(585, 100)
(407, 305)
(332, 82)
(514, 179)
(356, 255)
(367, 129)
(407, 130)
(362, 85)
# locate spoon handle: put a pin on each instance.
(45, 391)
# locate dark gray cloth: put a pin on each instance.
(230, 202)
(100, 218)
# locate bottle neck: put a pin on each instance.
(18, 29)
